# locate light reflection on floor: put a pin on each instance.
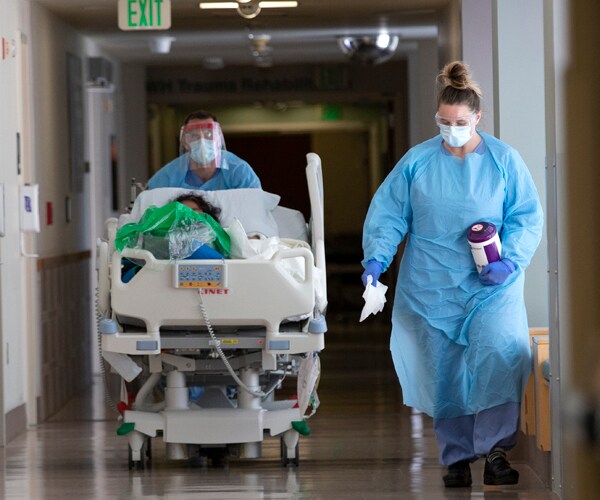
(364, 444)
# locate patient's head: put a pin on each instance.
(199, 204)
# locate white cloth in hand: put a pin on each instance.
(374, 298)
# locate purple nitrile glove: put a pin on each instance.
(374, 268)
(495, 273)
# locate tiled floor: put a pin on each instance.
(364, 444)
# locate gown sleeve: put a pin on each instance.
(171, 175)
(523, 217)
(389, 216)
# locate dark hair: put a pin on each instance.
(204, 205)
(454, 86)
(199, 115)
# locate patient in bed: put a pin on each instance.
(180, 242)
(199, 205)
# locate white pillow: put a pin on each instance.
(252, 206)
(291, 223)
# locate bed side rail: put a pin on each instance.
(314, 177)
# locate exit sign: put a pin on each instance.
(144, 14)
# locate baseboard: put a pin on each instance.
(528, 452)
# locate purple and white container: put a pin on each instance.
(485, 244)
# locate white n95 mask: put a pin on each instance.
(456, 136)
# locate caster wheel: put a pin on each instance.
(145, 454)
(285, 460)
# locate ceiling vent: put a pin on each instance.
(369, 49)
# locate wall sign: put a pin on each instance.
(144, 14)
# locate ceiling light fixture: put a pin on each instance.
(264, 4)
(161, 44)
(369, 49)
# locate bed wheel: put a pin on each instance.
(285, 460)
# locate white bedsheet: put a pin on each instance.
(243, 247)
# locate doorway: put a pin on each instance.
(279, 160)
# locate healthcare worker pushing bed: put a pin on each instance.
(204, 163)
(460, 340)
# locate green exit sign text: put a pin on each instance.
(144, 14)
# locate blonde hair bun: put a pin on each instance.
(457, 75)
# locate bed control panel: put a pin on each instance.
(189, 275)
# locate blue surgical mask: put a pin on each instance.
(203, 151)
(456, 136)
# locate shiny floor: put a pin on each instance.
(364, 444)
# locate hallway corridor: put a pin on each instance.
(364, 445)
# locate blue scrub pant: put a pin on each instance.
(469, 437)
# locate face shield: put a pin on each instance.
(204, 142)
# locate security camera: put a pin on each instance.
(248, 9)
(369, 49)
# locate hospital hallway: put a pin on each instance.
(364, 444)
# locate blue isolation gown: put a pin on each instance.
(234, 173)
(459, 347)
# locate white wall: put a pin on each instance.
(51, 40)
(11, 288)
(477, 44)
(91, 205)
(520, 118)
(43, 124)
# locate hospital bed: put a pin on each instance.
(231, 329)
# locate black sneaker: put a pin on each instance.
(498, 470)
(459, 475)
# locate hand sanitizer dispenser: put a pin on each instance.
(29, 208)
